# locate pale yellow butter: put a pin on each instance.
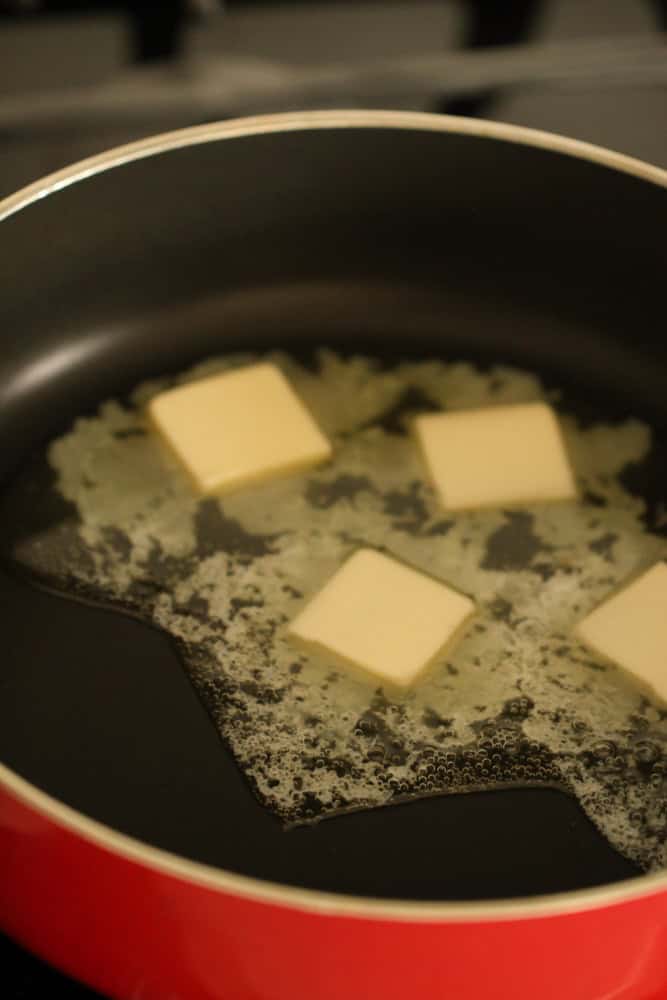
(500, 455)
(630, 629)
(239, 427)
(383, 618)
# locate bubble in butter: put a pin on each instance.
(518, 701)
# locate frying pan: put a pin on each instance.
(132, 853)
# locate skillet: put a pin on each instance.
(398, 235)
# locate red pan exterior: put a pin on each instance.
(134, 923)
(133, 931)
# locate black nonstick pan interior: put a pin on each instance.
(394, 242)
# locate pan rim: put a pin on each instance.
(309, 120)
(327, 904)
(217, 879)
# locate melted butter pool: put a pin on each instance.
(518, 702)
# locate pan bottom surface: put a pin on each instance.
(515, 842)
(97, 710)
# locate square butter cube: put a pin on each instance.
(382, 617)
(630, 629)
(238, 427)
(496, 456)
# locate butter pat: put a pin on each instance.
(500, 455)
(630, 629)
(239, 427)
(383, 618)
